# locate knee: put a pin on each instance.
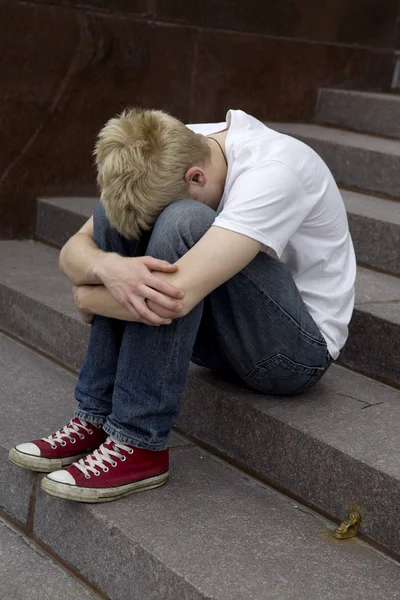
(186, 213)
(184, 220)
(107, 238)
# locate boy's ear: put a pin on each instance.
(195, 175)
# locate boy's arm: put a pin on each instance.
(216, 257)
(130, 280)
(96, 300)
(79, 255)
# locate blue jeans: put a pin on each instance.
(254, 330)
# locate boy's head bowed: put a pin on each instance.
(142, 157)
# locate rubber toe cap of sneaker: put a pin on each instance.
(61, 477)
(28, 448)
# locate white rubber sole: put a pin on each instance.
(42, 465)
(81, 494)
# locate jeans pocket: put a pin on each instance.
(281, 376)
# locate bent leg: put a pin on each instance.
(153, 361)
(95, 386)
(258, 323)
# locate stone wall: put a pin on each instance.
(66, 66)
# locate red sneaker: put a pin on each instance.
(114, 470)
(75, 440)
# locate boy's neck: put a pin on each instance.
(216, 142)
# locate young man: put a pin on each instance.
(226, 244)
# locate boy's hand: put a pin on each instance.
(131, 282)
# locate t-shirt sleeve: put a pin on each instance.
(267, 203)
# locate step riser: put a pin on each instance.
(289, 459)
(373, 348)
(359, 168)
(61, 337)
(15, 488)
(244, 433)
(364, 113)
(55, 226)
(376, 243)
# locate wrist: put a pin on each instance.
(101, 266)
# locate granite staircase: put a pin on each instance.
(258, 483)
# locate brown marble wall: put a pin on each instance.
(66, 66)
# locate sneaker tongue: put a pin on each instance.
(110, 443)
(79, 421)
(86, 423)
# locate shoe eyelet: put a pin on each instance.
(114, 464)
(81, 436)
(123, 458)
(105, 470)
(72, 440)
(97, 473)
(90, 431)
(63, 443)
(87, 476)
(54, 447)
(130, 451)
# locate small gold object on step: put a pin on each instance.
(348, 528)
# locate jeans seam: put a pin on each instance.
(172, 354)
(279, 359)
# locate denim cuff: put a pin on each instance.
(94, 419)
(117, 436)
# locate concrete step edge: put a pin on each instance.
(384, 96)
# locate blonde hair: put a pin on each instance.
(142, 157)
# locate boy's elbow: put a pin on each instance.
(188, 306)
(61, 260)
(65, 268)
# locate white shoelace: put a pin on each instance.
(100, 457)
(66, 432)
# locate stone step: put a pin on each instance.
(374, 225)
(328, 437)
(36, 305)
(57, 219)
(368, 112)
(373, 346)
(211, 532)
(26, 572)
(356, 160)
(375, 228)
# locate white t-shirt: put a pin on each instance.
(279, 192)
